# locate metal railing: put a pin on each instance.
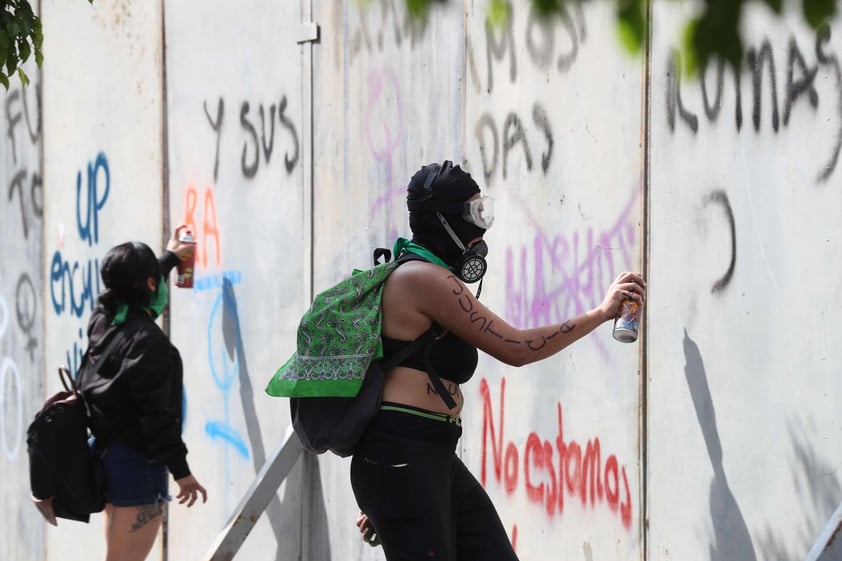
(256, 499)
(828, 546)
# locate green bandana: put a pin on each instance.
(402, 244)
(156, 304)
(337, 339)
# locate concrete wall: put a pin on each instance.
(713, 437)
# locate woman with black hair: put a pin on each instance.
(133, 384)
(416, 496)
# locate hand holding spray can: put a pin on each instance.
(627, 322)
(187, 262)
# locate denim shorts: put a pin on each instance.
(132, 479)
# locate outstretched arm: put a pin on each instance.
(439, 295)
(176, 249)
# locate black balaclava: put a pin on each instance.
(443, 183)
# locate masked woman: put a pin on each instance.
(134, 387)
(416, 496)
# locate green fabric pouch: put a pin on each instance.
(338, 338)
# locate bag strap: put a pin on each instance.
(431, 371)
(425, 339)
(67, 379)
(381, 252)
(407, 351)
(75, 385)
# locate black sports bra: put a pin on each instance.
(452, 358)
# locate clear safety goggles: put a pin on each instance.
(479, 212)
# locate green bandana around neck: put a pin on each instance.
(156, 304)
(403, 244)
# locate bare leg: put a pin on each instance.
(130, 531)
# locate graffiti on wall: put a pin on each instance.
(25, 185)
(11, 396)
(584, 264)
(264, 133)
(24, 197)
(385, 134)
(550, 46)
(799, 89)
(381, 26)
(25, 193)
(257, 129)
(223, 364)
(547, 469)
(74, 281)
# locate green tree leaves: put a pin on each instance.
(20, 37)
(20, 34)
(818, 12)
(714, 33)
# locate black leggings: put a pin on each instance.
(423, 502)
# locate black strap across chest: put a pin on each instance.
(423, 340)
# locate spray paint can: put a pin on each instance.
(187, 262)
(627, 322)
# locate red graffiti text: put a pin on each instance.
(547, 472)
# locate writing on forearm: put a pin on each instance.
(540, 342)
(486, 325)
(466, 304)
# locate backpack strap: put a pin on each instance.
(382, 252)
(431, 371)
(409, 256)
(111, 343)
(425, 339)
(407, 351)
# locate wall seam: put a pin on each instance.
(309, 464)
(644, 348)
(165, 220)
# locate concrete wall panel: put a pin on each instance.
(556, 443)
(390, 95)
(22, 374)
(236, 152)
(102, 107)
(713, 437)
(743, 292)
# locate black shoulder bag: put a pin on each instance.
(66, 475)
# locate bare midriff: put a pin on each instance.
(413, 387)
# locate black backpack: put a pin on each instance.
(62, 464)
(337, 423)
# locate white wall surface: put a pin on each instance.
(22, 308)
(717, 433)
(236, 154)
(743, 434)
(102, 84)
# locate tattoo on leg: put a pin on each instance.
(145, 515)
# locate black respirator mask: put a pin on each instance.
(470, 265)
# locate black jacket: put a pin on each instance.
(135, 392)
